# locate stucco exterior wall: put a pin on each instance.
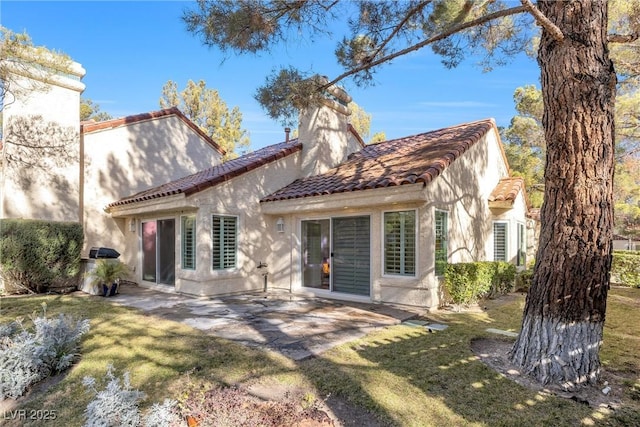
(124, 160)
(258, 240)
(462, 191)
(42, 183)
(325, 140)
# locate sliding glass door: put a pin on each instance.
(336, 254)
(158, 251)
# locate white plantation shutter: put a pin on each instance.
(224, 234)
(400, 243)
(189, 242)
(500, 241)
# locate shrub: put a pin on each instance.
(523, 280)
(117, 405)
(28, 357)
(625, 268)
(36, 255)
(467, 282)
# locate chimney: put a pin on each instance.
(323, 132)
(286, 134)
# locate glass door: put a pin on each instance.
(351, 255)
(158, 251)
(316, 264)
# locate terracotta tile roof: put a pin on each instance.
(90, 126)
(409, 160)
(507, 190)
(216, 174)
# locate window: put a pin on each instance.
(400, 243)
(224, 234)
(442, 237)
(189, 242)
(500, 242)
(522, 246)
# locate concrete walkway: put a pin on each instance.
(294, 326)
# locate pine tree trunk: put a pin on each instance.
(565, 308)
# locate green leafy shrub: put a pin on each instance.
(466, 283)
(523, 280)
(27, 357)
(625, 268)
(38, 255)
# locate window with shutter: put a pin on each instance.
(400, 243)
(224, 236)
(522, 245)
(188, 242)
(500, 241)
(442, 239)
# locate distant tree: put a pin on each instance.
(627, 196)
(524, 142)
(90, 110)
(205, 108)
(564, 314)
(378, 137)
(361, 122)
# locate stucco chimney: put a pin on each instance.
(324, 132)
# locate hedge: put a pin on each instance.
(625, 268)
(467, 282)
(38, 255)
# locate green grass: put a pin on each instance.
(405, 375)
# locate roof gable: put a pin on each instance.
(409, 160)
(215, 175)
(89, 126)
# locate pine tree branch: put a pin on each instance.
(623, 38)
(447, 33)
(544, 22)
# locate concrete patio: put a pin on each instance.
(294, 326)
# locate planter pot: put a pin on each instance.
(109, 291)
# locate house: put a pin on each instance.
(321, 214)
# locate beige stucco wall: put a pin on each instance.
(462, 190)
(325, 139)
(45, 184)
(258, 239)
(124, 160)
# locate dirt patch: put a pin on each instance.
(340, 411)
(494, 353)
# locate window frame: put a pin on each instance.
(183, 242)
(403, 238)
(223, 240)
(521, 254)
(506, 239)
(445, 236)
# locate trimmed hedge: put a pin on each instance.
(625, 268)
(37, 255)
(466, 283)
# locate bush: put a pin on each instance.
(117, 405)
(625, 268)
(523, 280)
(36, 255)
(28, 357)
(468, 282)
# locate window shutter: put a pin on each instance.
(189, 242)
(500, 241)
(224, 235)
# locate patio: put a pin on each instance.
(294, 326)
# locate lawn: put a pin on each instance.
(404, 375)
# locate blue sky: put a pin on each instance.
(130, 50)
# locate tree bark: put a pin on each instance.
(565, 308)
